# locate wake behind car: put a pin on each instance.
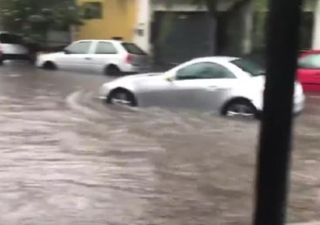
(12, 48)
(227, 85)
(111, 57)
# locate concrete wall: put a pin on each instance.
(145, 11)
(147, 8)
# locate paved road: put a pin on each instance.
(68, 159)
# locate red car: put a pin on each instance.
(309, 70)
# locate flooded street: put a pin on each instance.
(68, 159)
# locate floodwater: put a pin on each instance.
(68, 159)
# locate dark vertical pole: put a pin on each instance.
(275, 140)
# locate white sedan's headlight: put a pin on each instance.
(298, 90)
(104, 91)
(39, 59)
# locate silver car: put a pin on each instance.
(227, 85)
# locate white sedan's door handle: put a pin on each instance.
(87, 58)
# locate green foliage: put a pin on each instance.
(33, 18)
(260, 5)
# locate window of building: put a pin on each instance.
(93, 10)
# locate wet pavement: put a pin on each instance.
(68, 159)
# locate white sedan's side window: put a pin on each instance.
(204, 70)
(82, 47)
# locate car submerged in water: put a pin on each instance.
(111, 57)
(227, 85)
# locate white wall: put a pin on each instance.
(316, 28)
(142, 28)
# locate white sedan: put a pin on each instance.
(111, 57)
(227, 85)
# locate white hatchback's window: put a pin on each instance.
(205, 70)
(105, 48)
(79, 47)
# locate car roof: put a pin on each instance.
(221, 59)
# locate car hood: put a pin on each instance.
(139, 77)
(143, 75)
(54, 54)
(130, 81)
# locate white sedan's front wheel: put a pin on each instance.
(240, 108)
(122, 97)
(49, 66)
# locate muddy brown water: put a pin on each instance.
(68, 159)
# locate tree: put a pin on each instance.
(33, 18)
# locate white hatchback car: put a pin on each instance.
(112, 57)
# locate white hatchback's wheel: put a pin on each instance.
(49, 66)
(122, 97)
(113, 70)
(240, 108)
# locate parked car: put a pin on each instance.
(227, 85)
(309, 70)
(12, 48)
(111, 57)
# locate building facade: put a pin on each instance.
(174, 33)
(105, 19)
